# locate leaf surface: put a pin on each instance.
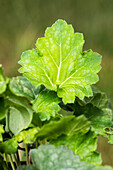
(9, 146)
(46, 105)
(20, 113)
(59, 64)
(82, 144)
(20, 86)
(3, 108)
(67, 125)
(27, 136)
(1, 132)
(48, 157)
(99, 119)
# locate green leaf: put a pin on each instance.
(46, 105)
(20, 113)
(99, 119)
(47, 157)
(27, 136)
(1, 132)
(29, 167)
(9, 146)
(99, 99)
(59, 64)
(20, 86)
(82, 144)
(3, 108)
(68, 125)
(3, 81)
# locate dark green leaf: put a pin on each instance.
(20, 113)
(46, 105)
(9, 146)
(20, 86)
(82, 144)
(68, 125)
(100, 119)
(3, 108)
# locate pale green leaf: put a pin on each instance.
(68, 125)
(59, 64)
(48, 157)
(1, 132)
(46, 105)
(20, 113)
(27, 136)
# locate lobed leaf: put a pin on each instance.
(48, 157)
(59, 64)
(27, 136)
(46, 105)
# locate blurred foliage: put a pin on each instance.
(23, 21)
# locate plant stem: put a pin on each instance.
(11, 161)
(5, 167)
(36, 143)
(15, 159)
(5, 158)
(27, 156)
(18, 158)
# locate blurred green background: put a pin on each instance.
(23, 21)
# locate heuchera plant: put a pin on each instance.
(52, 113)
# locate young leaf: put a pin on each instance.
(46, 105)
(68, 125)
(82, 144)
(20, 86)
(59, 64)
(27, 136)
(3, 81)
(48, 157)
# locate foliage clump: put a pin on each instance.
(54, 103)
